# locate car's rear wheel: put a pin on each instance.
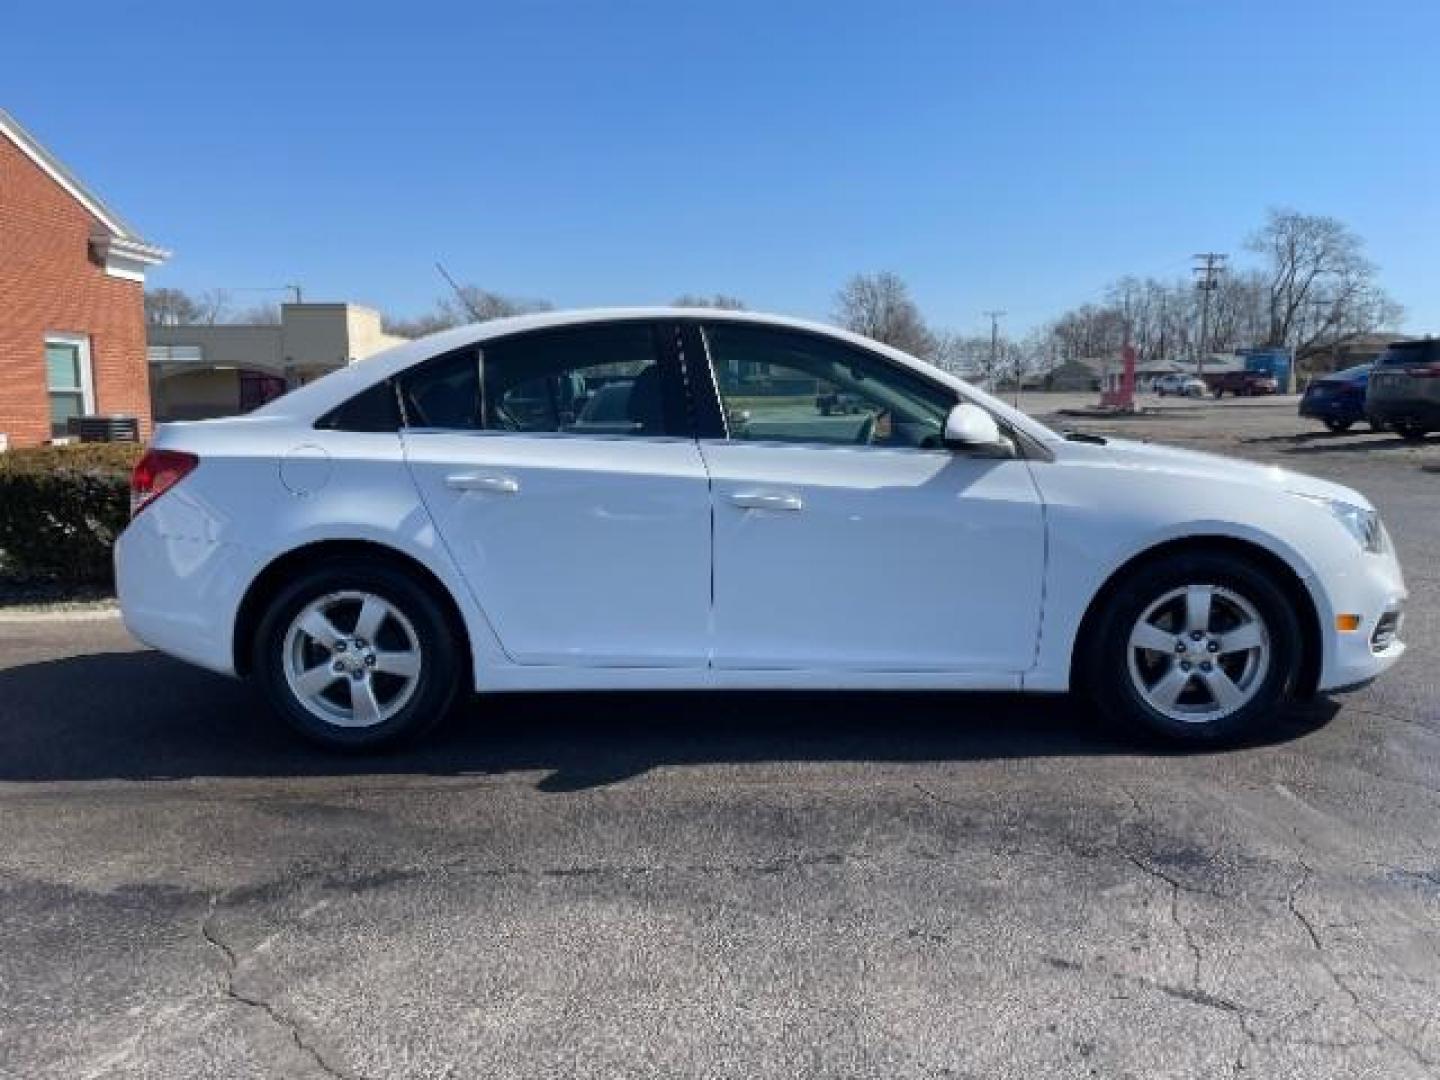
(1411, 432)
(357, 655)
(1199, 648)
(1338, 426)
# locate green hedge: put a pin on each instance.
(61, 508)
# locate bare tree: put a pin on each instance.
(263, 314)
(168, 307)
(879, 306)
(721, 301)
(176, 307)
(1311, 257)
(1315, 288)
(473, 304)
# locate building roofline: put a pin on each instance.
(32, 148)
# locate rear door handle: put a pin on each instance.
(500, 485)
(767, 500)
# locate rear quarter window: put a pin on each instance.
(375, 409)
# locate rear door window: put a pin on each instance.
(607, 379)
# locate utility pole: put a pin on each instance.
(1214, 265)
(995, 317)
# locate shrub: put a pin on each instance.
(61, 508)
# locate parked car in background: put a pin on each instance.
(402, 531)
(1404, 390)
(1338, 399)
(1179, 384)
(1242, 383)
(834, 402)
(607, 412)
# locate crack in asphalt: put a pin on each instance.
(234, 993)
(1186, 934)
(1239, 1011)
(1322, 954)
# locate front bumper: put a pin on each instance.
(1374, 589)
(1332, 409)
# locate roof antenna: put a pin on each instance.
(458, 292)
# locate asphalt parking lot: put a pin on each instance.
(888, 885)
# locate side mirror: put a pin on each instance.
(971, 429)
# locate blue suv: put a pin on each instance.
(1338, 400)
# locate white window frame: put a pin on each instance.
(87, 375)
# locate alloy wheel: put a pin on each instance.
(1199, 653)
(352, 659)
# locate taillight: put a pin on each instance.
(156, 473)
(1429, 371)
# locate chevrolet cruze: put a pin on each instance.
(653, 498)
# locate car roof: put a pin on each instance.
(319, 397)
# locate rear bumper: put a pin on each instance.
(1404, 410)
(178, 591)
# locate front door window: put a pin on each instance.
(778, 386)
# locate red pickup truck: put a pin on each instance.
(1241, 383)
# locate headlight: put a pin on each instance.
(1362, 524)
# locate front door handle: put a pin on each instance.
(500, 485)
(767, 500)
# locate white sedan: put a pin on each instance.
(1176, 383)
(653, 498)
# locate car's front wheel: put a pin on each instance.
(1199, 648)
(357, 655)
(1339, 427)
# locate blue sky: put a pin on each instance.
(997, 155)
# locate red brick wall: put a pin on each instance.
(48, 282)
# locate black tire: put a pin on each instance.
(1339, 427)
(1104, 671)
(1411, 432)
(1219, 393)
(435, 688)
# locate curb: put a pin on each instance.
(10, 616)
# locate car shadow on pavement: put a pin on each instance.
(143, 716)
(1325, 442)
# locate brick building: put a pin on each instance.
(72, 281)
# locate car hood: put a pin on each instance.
(1196, 465)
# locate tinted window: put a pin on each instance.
(785, 386)
(1411, 352)
(590, 380)
(444, 392)
(370, 410)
